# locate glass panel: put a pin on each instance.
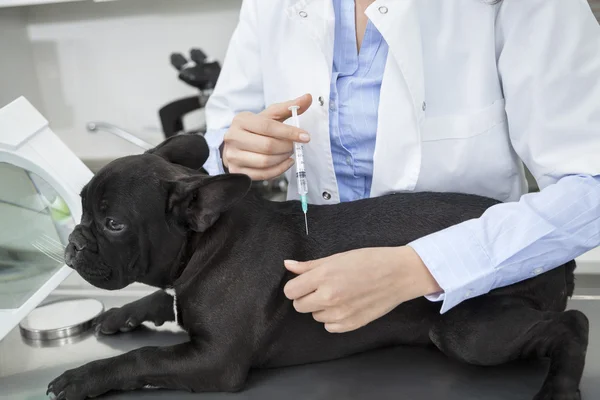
(35, 223)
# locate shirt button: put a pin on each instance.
(348, 160)
(468, 293)
(321, 100)
(383, 10)
(303, 14)
(424, 106)
(326, 195)
(538, 271)
(332, 105)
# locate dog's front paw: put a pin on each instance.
(72, 385)
(123, 319)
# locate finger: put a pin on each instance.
(330, 315)
(343, 326)
(302, 285)
(335, 327)
(281, 111)
(350, 323)
(302, 267)
(309, 304)
(261, 125)
(247, 159)
(256, 143)
(321, 316)
(263, 174)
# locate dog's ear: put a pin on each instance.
(198, 200)
(189, 150)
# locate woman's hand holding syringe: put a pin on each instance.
(261, 145)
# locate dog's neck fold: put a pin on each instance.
(164, 276)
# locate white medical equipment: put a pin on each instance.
(40, 181)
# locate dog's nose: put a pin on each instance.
(78, 245)
(78, 240)
(70, 252)
(81, 239)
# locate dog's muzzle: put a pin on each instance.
(82, 249)
(77, 243)
(72, 250)
(71, 254)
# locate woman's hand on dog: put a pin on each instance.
(349, 290)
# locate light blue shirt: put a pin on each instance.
(354, 101)
(509, 243)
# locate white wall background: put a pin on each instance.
(16, 59)
(110, 62)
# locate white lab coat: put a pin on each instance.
(469, 90)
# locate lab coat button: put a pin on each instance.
(383, 10)
(303, 14)
(326, 195)
(321, 100)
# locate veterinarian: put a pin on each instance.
(421, 95)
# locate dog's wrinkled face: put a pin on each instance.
(139, 212)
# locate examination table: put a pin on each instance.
(395, 373)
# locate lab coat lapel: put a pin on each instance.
(398, 23)
(317, 18)
(397, 159)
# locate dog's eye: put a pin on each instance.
(114, 225)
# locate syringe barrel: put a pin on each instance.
(302, 183)
(299, 150)
(299, 157)
(300, 171)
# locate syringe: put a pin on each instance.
(300, 171)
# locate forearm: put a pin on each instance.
(514, 241)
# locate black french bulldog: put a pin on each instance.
(156, 219)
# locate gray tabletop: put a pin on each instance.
(395, 373)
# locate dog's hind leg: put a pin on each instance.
(156, 308)
(499, 330)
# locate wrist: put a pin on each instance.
(424, 280)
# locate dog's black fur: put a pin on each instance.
(154, 218)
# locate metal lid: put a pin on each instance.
(60, 319)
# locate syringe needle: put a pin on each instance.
(306, 223)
